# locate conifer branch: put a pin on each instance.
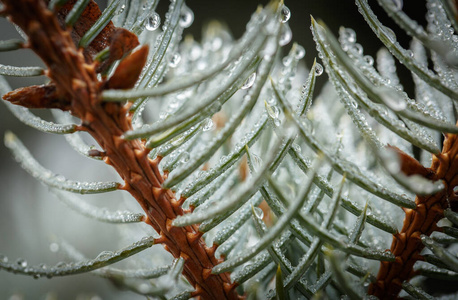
(77, 89)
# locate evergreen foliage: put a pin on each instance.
(299, 190)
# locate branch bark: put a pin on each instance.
(407, 245)
(74, 76)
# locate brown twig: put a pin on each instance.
(74, 76)
(407, 245)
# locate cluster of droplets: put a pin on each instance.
(62, 268)
(23, 156)
(101, 214)
(177, 157)
(387, 67)
(435, 103)
(181, 153)
(443, 34)
(391, 94)
(20, 71)
(223, 163)
(386, 35)
(252, 78)
(351, 169)
(347, 40)
(182, 140)
(289, 66)
(28, 118)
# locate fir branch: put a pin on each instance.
(76, 81)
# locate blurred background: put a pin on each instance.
(31, 217)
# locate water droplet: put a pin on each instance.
(121, 9)
(296, 147)
(258, 212)
(427, 241)
(287, 61)
(163, 115)
(369, 211)
(318, 69)
(194, 53)
(153, 22)
(174, 103)
(61, 265)
(286, 35)
(3, 258)
(208, 125)
(216, 43)
(349, 34)
(300, 52)
(273, 111)
(54, 247)
(359, 48)
(277, 122)
(397, 4)
(145, 239)
(369, 60)
(388, 32)
(201, 174)
(249, 82)
(21, 262)
(354, 103)
(104, 255)
(175, 60)
(60, 178)
(285, 14)
(186, 17)
(184, 157)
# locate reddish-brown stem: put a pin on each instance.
(75, 79)
(407, 245)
